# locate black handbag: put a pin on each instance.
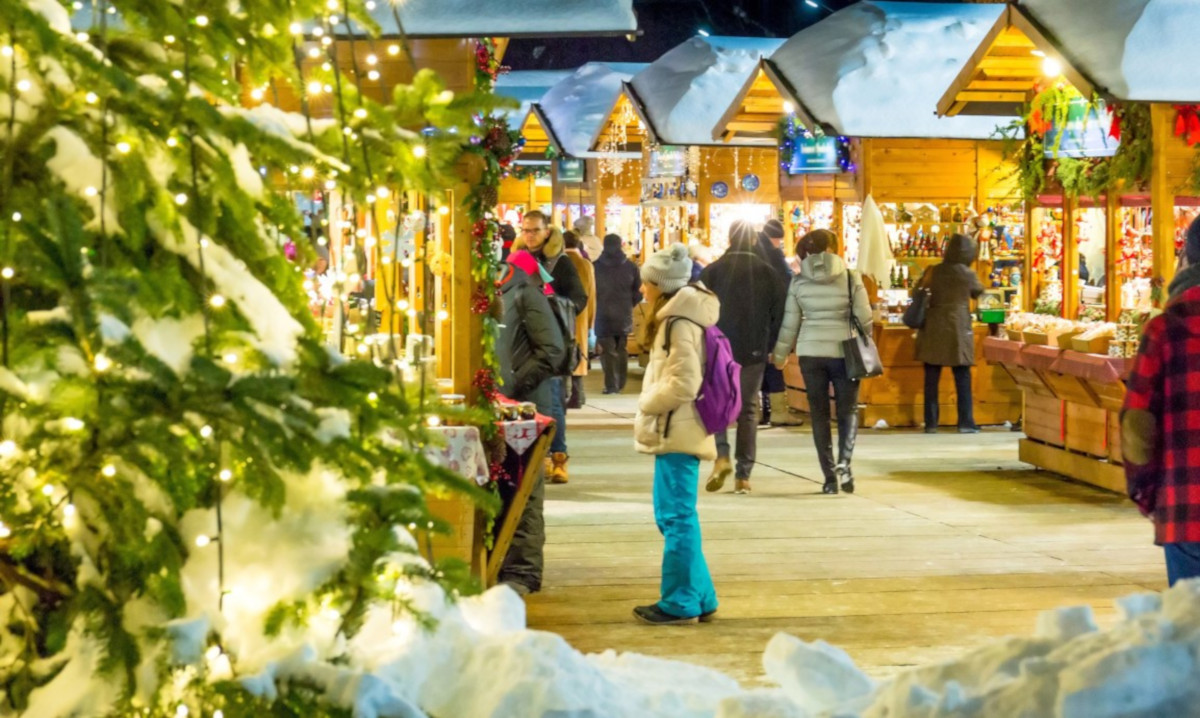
(862, 356)
(914, 314)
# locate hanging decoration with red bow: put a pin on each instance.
(1187, 123)
(1114, 130)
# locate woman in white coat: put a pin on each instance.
(816, 320)
(669, 427)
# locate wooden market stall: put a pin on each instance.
(874, 112)
(690, 186)
(1097, 252)
(563, 125)
(527, 186)
(428, 289)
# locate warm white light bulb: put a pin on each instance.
(201, 542)
(393, 50)
(372, 60)
(169, 39)
(172, 142)
(5, 531)
(360, 113)
(90, 191)
(382, 193)
(206, 431)
(443, 315)
(102, 363)
(48, 490)
(72, 424)
(82, 36)
(16, 216)
(217, 301)
(314, 88)
(230, 358)
(124, 147)
(7, 273)
(296, 28)
(308, 173)
(419, 151)
(202, 20)
(181, 199)
(91, 98)
(109, 471)
(1051, 67)
(225, 475)
(314, 52)
(256, 94)
(372, 397)
(24, 85)
(373, 75)
(8, 447)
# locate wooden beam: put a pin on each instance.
(788, 92)
(1021, 20)
(1001, 85)
(968, 71)
(1162, 195)
(719, 131)
(1112, 255)
(983, 96)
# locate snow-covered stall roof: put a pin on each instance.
(480, 18)
(1142, 50)
(684, 93)
(527, 87)
(575, 109)
(878, 69)
(508, 18)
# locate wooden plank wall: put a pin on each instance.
(1180, 161)
(936, 171)
(729, 165)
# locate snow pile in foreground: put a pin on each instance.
(481, 662)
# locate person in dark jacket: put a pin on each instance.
(776, 411)
(947, 338)
(751, 312)
(529, 348)
(618, 291)
(1161, 417)
(547, 246)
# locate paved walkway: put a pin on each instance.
(948, 543)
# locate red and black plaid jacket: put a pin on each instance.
(1166, 383)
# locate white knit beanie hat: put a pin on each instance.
(668, 269)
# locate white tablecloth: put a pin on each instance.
(462, 452)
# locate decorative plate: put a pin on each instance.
(720, 190)
(750, 182)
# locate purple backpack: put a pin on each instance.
(720, 399)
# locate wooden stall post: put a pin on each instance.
(1112, 253)
(1070, 259)
(1162, 195)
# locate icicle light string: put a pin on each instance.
(7, 218)
(390, 289)
(198, 213)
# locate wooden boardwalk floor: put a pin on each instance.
(948, 543)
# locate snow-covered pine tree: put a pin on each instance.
(194, 486)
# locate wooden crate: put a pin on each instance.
(1114, 438)
(1086, 430)
(1044, 419)
(1101, 474)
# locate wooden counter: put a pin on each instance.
(1072, 409)
(898, 397)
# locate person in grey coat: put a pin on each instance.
(947, 338)
(816, 321)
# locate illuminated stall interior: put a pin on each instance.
(692, 186)
(562, 126)
(528, 185)
(869, 130)
(1095, 261)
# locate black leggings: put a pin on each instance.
(962, 388)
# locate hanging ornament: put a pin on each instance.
(1187, 123)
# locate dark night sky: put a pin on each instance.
(667, 23)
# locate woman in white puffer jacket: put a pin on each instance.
(816, 321)
(669, 427)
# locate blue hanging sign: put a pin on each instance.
(814, 155)
(570, 171)
(1086, 132)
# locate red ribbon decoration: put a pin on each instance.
(1187, 123)
(1114, 130)
(1037, 123)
